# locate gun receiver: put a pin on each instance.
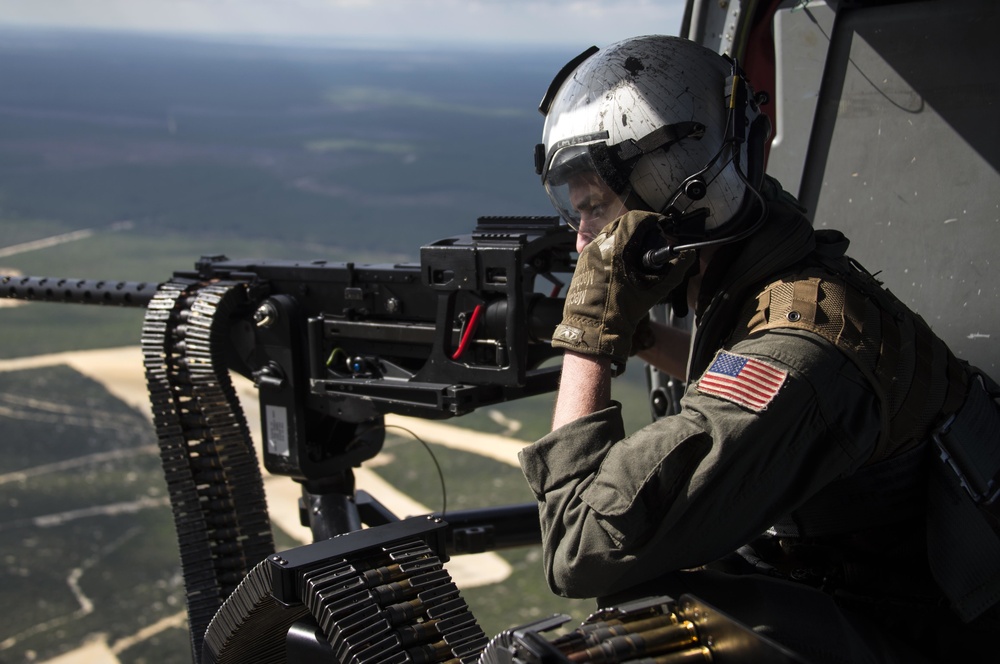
(335, 344)
(460, 330)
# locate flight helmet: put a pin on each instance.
(664, 123)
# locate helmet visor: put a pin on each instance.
(580, 194)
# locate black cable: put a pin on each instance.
(444, 491)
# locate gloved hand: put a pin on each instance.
(611, 291)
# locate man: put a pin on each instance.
(800, 487)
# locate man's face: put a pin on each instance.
(597, 205)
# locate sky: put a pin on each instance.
(557, 22)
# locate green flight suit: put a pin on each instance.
(620, 515)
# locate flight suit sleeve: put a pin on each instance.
(617, 511)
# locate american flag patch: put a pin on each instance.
(742, 380)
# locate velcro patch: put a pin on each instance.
(568, 334)
(742, 380)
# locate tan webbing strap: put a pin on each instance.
(853, 318)
(787, 303)
(824, 306)
(805, 299)
(760, 316)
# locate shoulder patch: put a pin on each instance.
(742, 380)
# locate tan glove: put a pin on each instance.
(611, 291)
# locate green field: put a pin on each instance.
(69, 570)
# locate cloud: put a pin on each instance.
(388, 21)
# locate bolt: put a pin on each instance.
(266, 315)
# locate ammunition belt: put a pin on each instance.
(652, 630)
(646, 631)
(382, 596)
(214, 482)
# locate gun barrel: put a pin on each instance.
(78, 291)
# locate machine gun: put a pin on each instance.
(333, 346)
(331, 349)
